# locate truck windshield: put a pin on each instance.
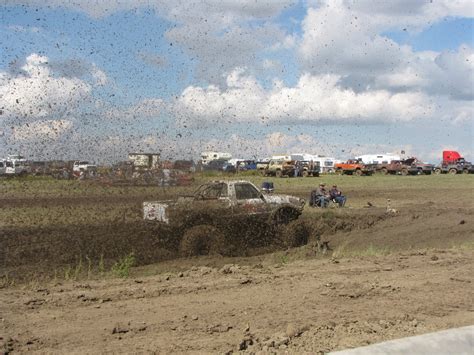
(212, 191)
(246, 191)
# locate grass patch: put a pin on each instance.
(74, 208)
(345, 251)
(464, 246)
(122, 267)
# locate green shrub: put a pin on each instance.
(122, 267)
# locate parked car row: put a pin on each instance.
(14, 165)
(283, 166)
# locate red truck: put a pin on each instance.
(409, 166)
(453, 163)
(354, 167)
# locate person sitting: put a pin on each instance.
(337, 196)
(319, 197)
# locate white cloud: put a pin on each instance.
(18, 28)
(145, 109)
(224, 10)
(347, 39)
(220, 49)
(314, 98)
(99, 76)
(288, 42)
(37, 93)
(218, 34)
(41, 130)
(269, 64)
(402, 14)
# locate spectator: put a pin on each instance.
(337, 196)
(319, 197)
(297, 168)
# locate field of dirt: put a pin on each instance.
(384, 274)
(303, 306)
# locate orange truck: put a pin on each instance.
(354, 167)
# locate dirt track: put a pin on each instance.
(315, 305)
(387, 276)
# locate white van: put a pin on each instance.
(17, 165)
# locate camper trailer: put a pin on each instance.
(17, 165)
(378, 158)
(144, 161)
(207, 157)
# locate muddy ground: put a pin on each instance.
(386, 275)
(310, 306)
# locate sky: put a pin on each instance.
(98, 79)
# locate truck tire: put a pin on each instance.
(465, 171)
(202, 239)
(453, 171)
(305, 173)
(384, 171)
(279, 173)
(338, 172)
(404, 172)
(283, 216)
(358, 172)
(437, 171)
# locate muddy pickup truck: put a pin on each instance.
(280, 168)
(209, 221)
(410, 166)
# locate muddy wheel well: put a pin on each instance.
(296, 233)
(202, 240)
(284, 215)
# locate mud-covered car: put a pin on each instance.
(280, 168)
(222, 213)
(309, 168)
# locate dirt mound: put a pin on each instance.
(41, 250)
(411, 228)
(47, 248)
(202, 240)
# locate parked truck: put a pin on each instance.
(222, 213)
(17, 165)
(280, 168)
(410, 166)
(453, 163)
(82, 168)
(309, 168)
(354, 167)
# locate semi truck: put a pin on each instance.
(453, 163)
